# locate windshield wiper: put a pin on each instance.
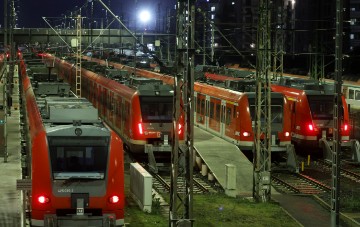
(71, 180)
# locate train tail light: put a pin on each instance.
(43, 199)
(246, 134)
(287, 134)
(140, 127)
(114, 199)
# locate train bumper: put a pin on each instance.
(107, 220)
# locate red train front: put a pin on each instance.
(140, 111)
(312, 111)
(77, 166)
(230, 114)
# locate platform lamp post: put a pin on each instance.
(144, 17)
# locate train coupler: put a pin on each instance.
(291, 160)
(355, 148)
(151, 158)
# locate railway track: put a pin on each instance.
(163, 184)
(344, 172)
(287, 182)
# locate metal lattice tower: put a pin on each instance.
(78, 56)
(317, 61)
(278, 54)
(335, 191)
(262, 154)
(317, 66)
(181, 204)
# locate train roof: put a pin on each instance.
(51, 89)
(69, 110)
(310, 87)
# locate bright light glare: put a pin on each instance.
(144, 16)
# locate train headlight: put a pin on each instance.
(346, 127)
(180, 130)
(114, 199)
(311, 127)
(246, 134)
(43, 199)
(287, 134)
(140, 128)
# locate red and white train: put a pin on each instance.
(76, 162)
(141, 113)
(311, 109)
(230, 114)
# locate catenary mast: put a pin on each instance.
(181, 207)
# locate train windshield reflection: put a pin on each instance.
(321, 106)
(86, 162)
(276, 114)
(156, 109)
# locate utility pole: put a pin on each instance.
(181, 203)
(168, 21)
(262, 154)
(278, 56)
(78, 56)
(5, 75)
(204, 38)
(338, 117)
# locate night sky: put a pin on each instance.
(31, 11)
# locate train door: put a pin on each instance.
(207, 111)
(200, 109)
(104, 103)
(122, 115)
(214, 115)
(223, 118)
(117, 113)
(98, 99)
(126, 121)
(111, 106)
(230, 123)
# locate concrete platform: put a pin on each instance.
(10, 171)
(216, 153)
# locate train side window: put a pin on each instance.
(202, 107)
(351, 94)
(228, 115)
(120, 109)
(211, 110)
(126, 110)
(357, 95)
(217, 117)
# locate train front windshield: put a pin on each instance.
(79, 161)
(156, 109)
(321, 106)
(276, 110)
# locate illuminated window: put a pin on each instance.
(351, 36)
(212, 16)
(232, 3)
(212, 8)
